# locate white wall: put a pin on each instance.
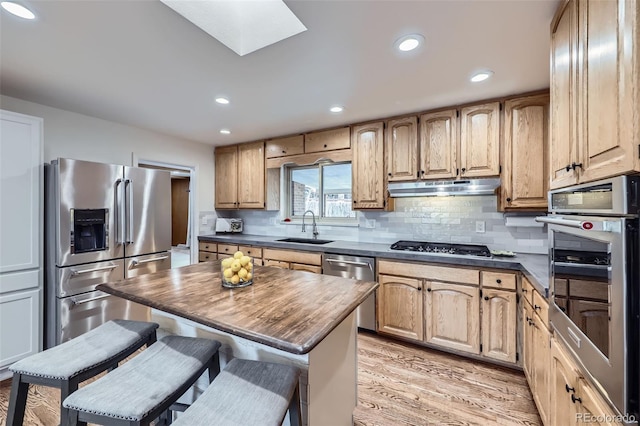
(71, 135)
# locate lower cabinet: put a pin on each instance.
(207, 251)
(19, 324)
(453, 316)
(498, 323)
(400, 307)
(296, 260)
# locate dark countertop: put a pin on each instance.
(288, 310)
(534, 266)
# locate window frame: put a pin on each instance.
(288, 211)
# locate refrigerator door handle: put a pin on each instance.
(128, 189)
(78, 301)
(155, 259)
(86, 271)
(118, 222)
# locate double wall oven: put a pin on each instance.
(595, 282)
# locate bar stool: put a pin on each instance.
(145, 387)
(66, 365)
(248, 393)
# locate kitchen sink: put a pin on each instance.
(304, 240)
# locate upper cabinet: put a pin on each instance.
(281, 147)
(401, 142)
(480, 140)
(327, 140)
(525, 149)
(594, 93)
(240, 176)
(438, 145)
(368, 184)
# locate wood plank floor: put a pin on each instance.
(398, 384)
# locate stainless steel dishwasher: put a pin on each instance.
(357, 268)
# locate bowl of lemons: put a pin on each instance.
(237, 271)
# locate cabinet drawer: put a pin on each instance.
(501, 280)
(307, 268)
(327, 140)
(281, 147)
(541, 307)
(430, 272)
(527, 290)
(227, 249)
(292, 256)
(276, 263)
(211, 247)
(255, 252)
(205, 256)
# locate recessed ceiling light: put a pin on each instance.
(481, 76)
(225, 131)
(336, 108)
(222, 100)
(409, 42)
(17, 10)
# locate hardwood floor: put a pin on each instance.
(398, 384)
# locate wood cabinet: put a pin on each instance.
(296, 260)
(439, 140)
(401, 149)
(594, 79)
(453, 316)
(480, 140)
(368, 183)
(282, 147)
(573, 399)
(400, 306)
(327, 140)
(240, 176)
(499, 320)
(207, 251)
(525, 151)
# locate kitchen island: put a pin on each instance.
(286, 316)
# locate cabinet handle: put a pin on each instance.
(457, 172)
(463, 170)
(486, 298)
(575, 399)
(499, 281)
(429, 290)
(419, 288)
(576, 165)
(325, 145)
(536, 307)
(568, 167)
(524, 290)
(569, 389)
(284, 152)
(354, 201)
(389, 174)
(422, 171)
(508, 199)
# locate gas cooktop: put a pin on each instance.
(426, 247)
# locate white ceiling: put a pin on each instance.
(142, 64)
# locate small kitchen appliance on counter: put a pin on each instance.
(224, 225)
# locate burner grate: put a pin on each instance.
(443, 248)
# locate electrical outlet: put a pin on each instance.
(480, 226)
(204, 220)
(370, 223)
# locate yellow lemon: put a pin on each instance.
(228, 273)
(248, 266)
(227, 262)
(242, 273)
(248, 277)
(238, 255)
(235, 279)
(244, 260)
(235, 265)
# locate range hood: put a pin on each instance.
(444, 187)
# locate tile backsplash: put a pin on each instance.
(437, 219)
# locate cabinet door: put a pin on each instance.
(453, 316)
(527, 342)
(400, 307)
(563, 145)
(368, 166)
(540, 364)
(438, 145)
(276, 263)
(307, 268)
(327, 140)
(564, 376)
(591, 407)
(608, 142)
(226, 177)
(282, 147)
(19, 325)
(205, 256)
(251, 170)
(499, 325)
(526, 141)
(20, 192)
(480, 140)
(401, 147)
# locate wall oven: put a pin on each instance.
(595, 283)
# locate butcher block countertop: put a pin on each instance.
(285, 309)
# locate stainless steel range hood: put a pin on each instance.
(444, 187)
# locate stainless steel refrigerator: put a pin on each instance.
(104, 223)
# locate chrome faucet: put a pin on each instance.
(315, 228)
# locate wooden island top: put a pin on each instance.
(288, 310)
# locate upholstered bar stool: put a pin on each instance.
(248, 393)
(66, 365)
(146, 386)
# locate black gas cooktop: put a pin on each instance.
(426, 247)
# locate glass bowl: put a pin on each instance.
(236, 272)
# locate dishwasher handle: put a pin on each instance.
(350, 262)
